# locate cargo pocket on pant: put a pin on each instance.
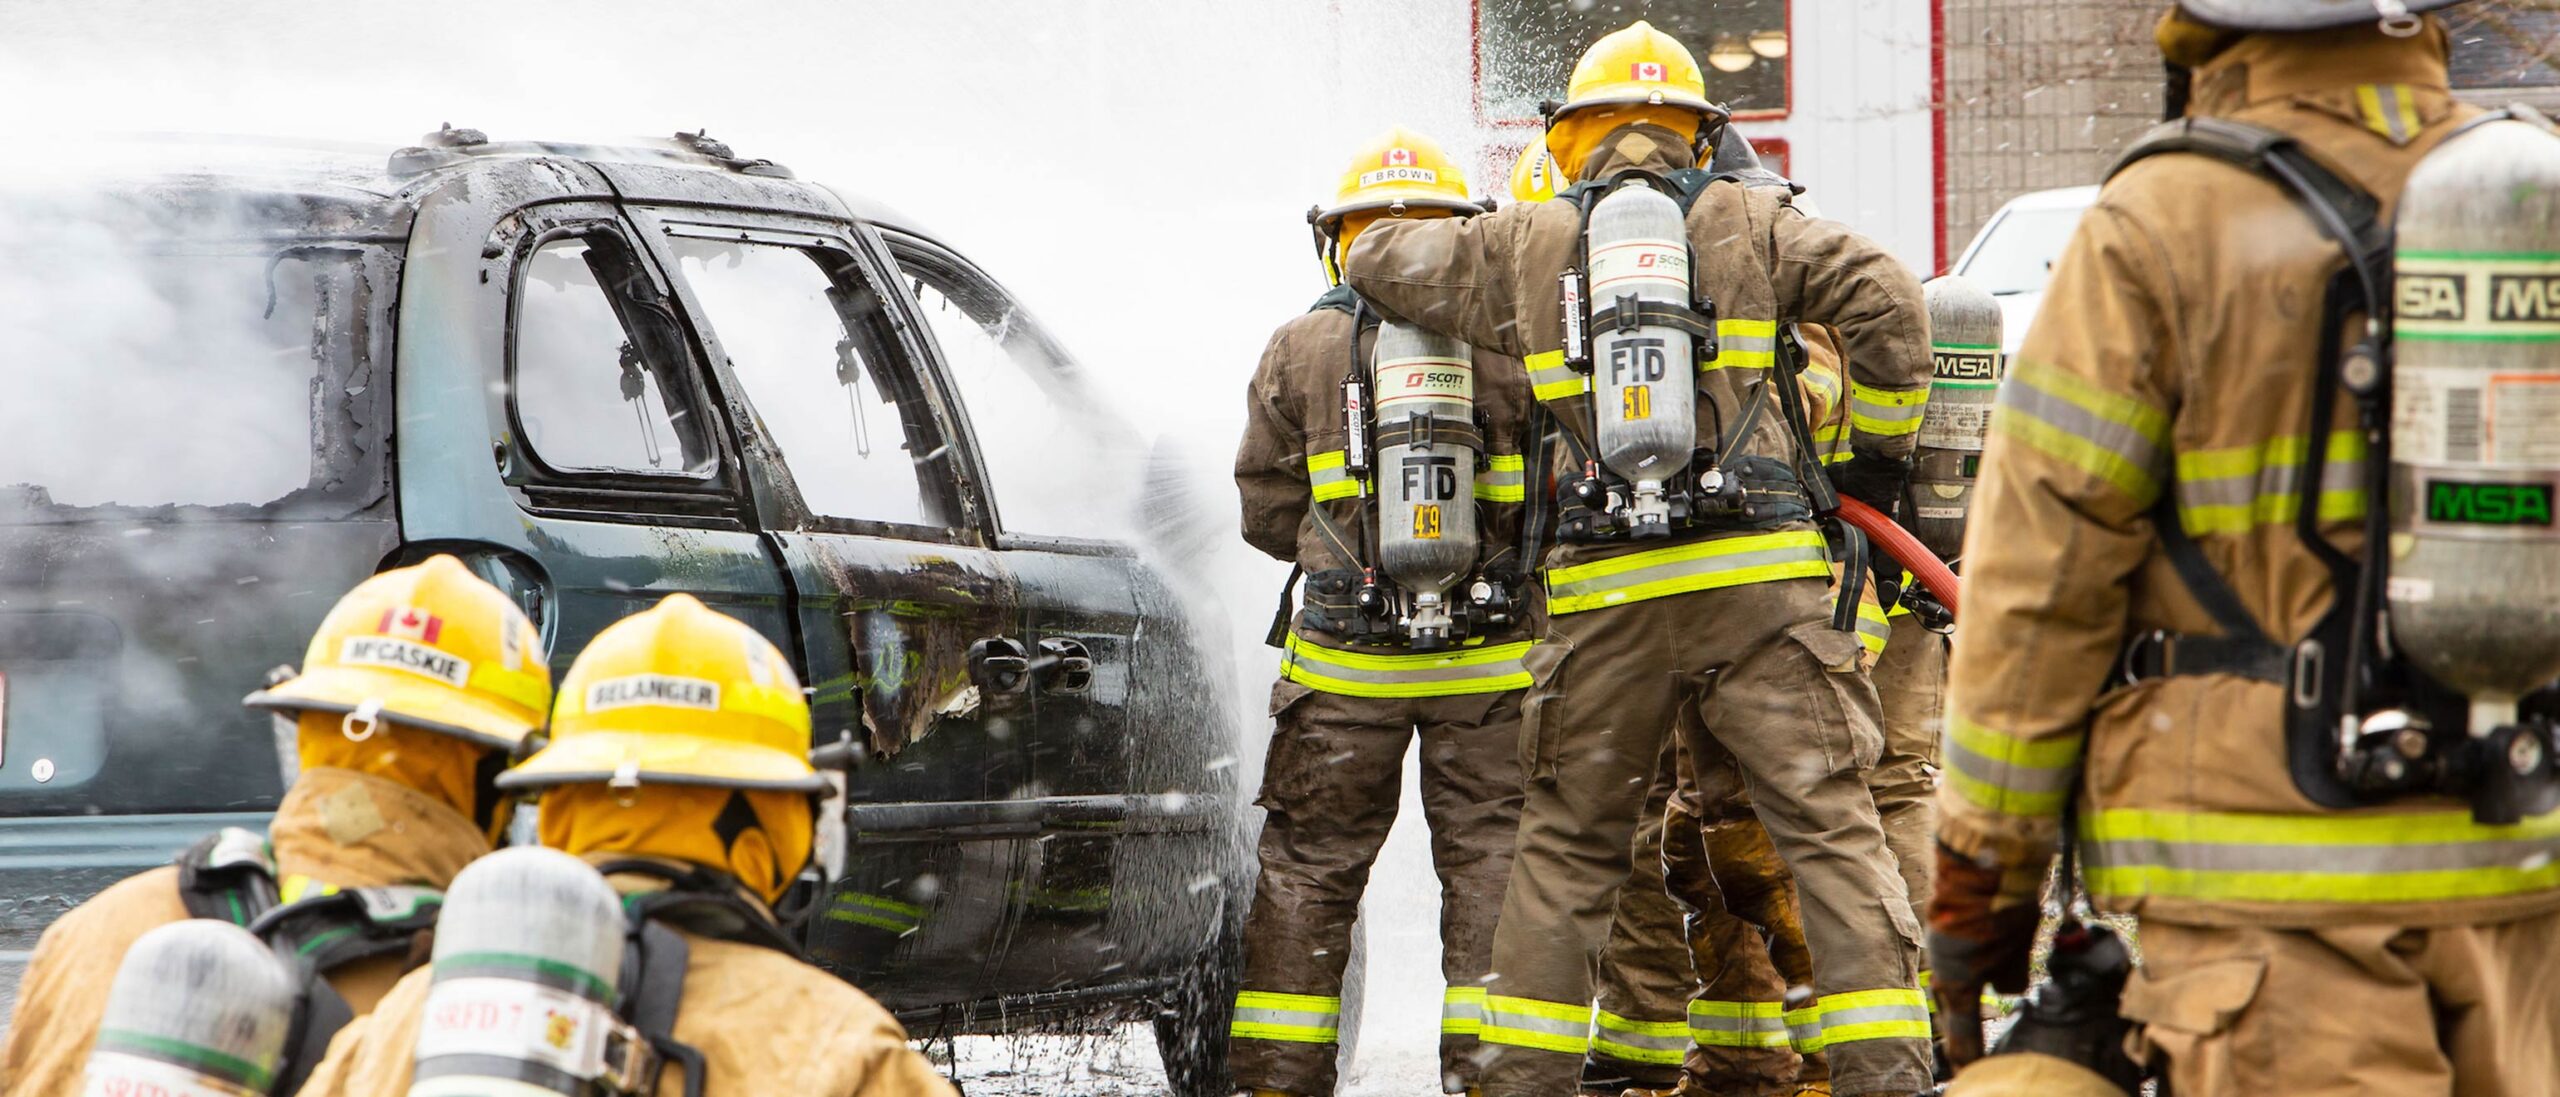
(1845, 715)
(2191, 1018)
(1278, 766)
(1541, 734)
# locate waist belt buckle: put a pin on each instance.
(2132, 665)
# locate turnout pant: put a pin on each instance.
(2352, 1011)
(1645, 974)
(1760, 669)
(1330, 788)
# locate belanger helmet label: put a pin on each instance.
(653, 689)
(398, 654)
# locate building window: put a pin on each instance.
(1525, 49)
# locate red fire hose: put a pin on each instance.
(1905, 549)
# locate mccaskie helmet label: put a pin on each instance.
(398, 654)
(654, 689)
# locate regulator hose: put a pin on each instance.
(1897, 542)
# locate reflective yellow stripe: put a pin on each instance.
(2389, 109)
(1738, 1024)
(1287, 1018)
(1873, 628)
(2111, 436)
(1888, 413)
(1856, 1015)
(1660, 1043)
(1530, 1023)
(1745, 344)
(1677, 569)
(2003, 773)
(1327, 480)
(2234, 489)
(1462, 1011)
(1503, 479)
(1492, 669)
(1899, 609)
(2411, 857)
(1551, 379)
(296, 887)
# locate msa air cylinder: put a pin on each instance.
(1643, 376)
(2475, 427)
(1965, 370)
(199, 1008)
(527, 957)
(1424, 388)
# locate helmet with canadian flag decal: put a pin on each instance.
(432, 646)
(1625, 73)
(1398, 173)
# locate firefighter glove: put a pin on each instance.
(1974, 941)
(1873, 479)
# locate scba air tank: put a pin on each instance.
(198, 1008)
(528, 956)
(1425, 398)
(2475, 432)
(1644, 387)
(1966, 365)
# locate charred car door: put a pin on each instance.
(557, 426)
(1112, 890)
(895, 591)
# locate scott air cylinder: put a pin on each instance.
(527, 959)
(1424, 386)
(1644, 388)
(199, 1008)
(1966, 365)
(2474, 553)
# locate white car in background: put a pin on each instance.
(2013, 256)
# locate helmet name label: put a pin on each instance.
(398, 654)
(1398, 175)
(654, 689)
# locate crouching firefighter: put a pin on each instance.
(678, 767)
(1384, 462)
(1689, 579)
(2261, 579)
(415, 691)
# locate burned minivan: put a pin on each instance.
(602, 375)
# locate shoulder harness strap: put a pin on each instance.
(228, 875)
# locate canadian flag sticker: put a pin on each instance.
(1648, 71)
(412, 623)
(1397, 158)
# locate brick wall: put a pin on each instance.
(2039, 94)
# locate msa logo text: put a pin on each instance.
(2489, 504)
(2431, 296)
(2524, 298)
(1965, 367)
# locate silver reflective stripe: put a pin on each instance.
(1652, 1036)
(2362, 860)
(1288, 1018)
(1543, 1031)
(1716, 1028)
(1889, 413)
(1964, 760)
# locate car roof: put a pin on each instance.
(387, 183)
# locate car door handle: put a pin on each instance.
(1000, 665)
(1064, 665)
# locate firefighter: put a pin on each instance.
(2136, 575)
(1352, 691)
(1652, 616)
(679, 766)
(416, 689)
(1736, 1019)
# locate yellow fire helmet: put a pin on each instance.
(1536, 176)
(1397, 174)
(680, 695)
(430, 645)
(1631, 68)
